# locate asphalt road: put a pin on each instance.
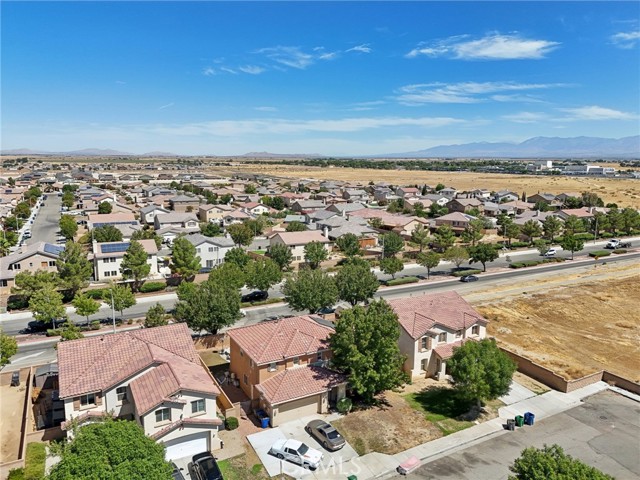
(604, 432)
(46, 224)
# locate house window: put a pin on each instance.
(251, 363)
(296, 360)
(424, 364)
(442, 337)
(211, 249)
(458, 333)
(121, 394)
(475, 330)
(52, 263)
(163, 415)
(89, 399)
(198, 249)
(106, 260)
(107, 274)
(272, 367)
(245, 379)
(319, 357)
(241, 353)
(197, 406)
(3, 283)
(209, 263)
(424, 343)
(114, 273)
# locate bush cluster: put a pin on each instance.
(533, 263)
(149, 287)
(600, 253)
(462, 273)
(401, 281)
(620, 250)
(231, 423)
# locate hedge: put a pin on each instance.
(17, 302)
(96, 294)
(466, 272)
(149, 287)
(53, 333)
(584, 236)
(620, 250)
(600, 253)
(262, 302)
(533, 263)
(34, 461)
(402, 281)
(518, 244)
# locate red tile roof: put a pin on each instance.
(98, 363)
(299, 382)
(301, 238)
(446, 351)
(419, 314)
(204, 422)
(290, 337)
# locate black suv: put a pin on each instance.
(256, 296)
(204, 467)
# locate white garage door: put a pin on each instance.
(297, 409)
(187, 446)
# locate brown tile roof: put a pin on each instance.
(299, 382)
(301, 238)
(446, 351)
(97, 363)
(204, 422)
(111, 217)
(290, 337)
(419, 314)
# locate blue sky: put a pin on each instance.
(340, 78)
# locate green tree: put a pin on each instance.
(571, 243)
(238, 256)
(473, 232)
(573, 225)
(277, 203)
(512, 231)
(74, 269)
(263, 274)
(208, 306)
(480, 371)
(70, 331)
(591, 199)
(106, 233)
(281, 254)
(296, 226)
(134, 265)
(551, 226)
(550, 462)
(391, 266)
(356, 282)
(315, 253)
(122, 297)
(349, 244)
(256, 225)
(599, 223)
(614, 217)
(392, 244)
(184, 259)
(85, 306)
(22, 210)
(456, 255)
(46, 305)
(156, 317)
(250, 189)
(8, 348)
(310, 290)
(27, 283)
(439, 187)
(541, 246)
(147, 234)
(210, 229)
(240, 234)
(68, 226)
(420, 236)
(105, 207)
(230, 274)
(365, 348)
(68, 199)
(32, 195)
(111, 449)
(630, 219)
(531, 229)
(444, 237)
(483, 253)
(429, 260)
(13, 223)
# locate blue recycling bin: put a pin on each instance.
(263, 418)
(529, 418)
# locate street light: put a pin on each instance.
(113, 311)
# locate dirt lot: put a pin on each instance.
(573, 324)
(625, 192)
(11, 408)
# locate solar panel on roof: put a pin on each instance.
(53, 249)
(115, 247)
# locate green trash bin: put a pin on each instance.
(352, 477)
(519, 420)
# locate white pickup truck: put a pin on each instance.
(613, 243)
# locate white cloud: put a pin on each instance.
(120, 82)
(166, 106)
(490, 47)
(252, 69)
(516, 98)
(364, 48)
(594, 112)
(467, 92)
(292, 57)
(266, 109)
(208, 71)
(526, 117)
(228, 70)
(328, 56)
(625, 40)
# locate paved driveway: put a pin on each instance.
(182, 464)
(262, 442)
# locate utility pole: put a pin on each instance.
(113, 312)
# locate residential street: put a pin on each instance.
(45, 226)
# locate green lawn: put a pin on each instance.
(441, 407)
(236, 469)
(34, 461)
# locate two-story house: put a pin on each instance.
(281, 366)
(176, 219)
(151, 376)
(39, 256)
(149, 213)
(211, 250)
(107, 259)
(296, 241)
(431, 327)
(213, 213)
(184, 203)
(463, 205)
(456, 220)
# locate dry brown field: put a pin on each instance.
(573, 324)
(625, 192)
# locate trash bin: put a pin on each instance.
(263, 418)
(352, 477)
(511, 424)
(529, 418)
(519, 420)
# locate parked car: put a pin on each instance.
(297, 452)
(469, 278)
(26, 234)
(551, 252)
(15, 379)
(177, 472)
(256, 296)
(204, 467)
(613, 243)
(326, 434)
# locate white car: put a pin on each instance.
(297, 452)
(613, 243)
(551, 252)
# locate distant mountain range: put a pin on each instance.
(537, 147)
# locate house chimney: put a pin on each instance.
(325, 231)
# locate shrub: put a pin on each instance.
(584, 236)
(231, 423)
(620, 250)
(17, 302)
(95, 325)
(149, 287)
(462, 273)
(600, 253)
(16, 474)
(53, 333)
(519, 244)
(533, 263)
(34, 461)
(401, 281)
(95, 294)
(344, 405)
